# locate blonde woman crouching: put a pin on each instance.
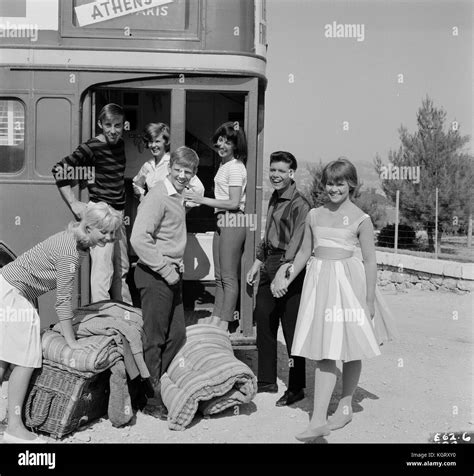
(51, 264)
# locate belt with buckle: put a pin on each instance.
(275, 251)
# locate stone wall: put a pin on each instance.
(401, 272)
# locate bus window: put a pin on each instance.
(53, 133)
(205, 112)
(12, 135)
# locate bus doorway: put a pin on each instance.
(193, 111)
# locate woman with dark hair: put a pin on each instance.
(230, 185)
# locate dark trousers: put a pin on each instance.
(269, 311)
(163, 320)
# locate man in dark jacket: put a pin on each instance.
(284, 230)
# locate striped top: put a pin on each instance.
(230, 174)
(103, 164)
(51, 264)
(285, 223)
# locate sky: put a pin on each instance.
(341, 79)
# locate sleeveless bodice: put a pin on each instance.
(344, 237)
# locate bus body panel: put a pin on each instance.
(229, 26)
(52, 89)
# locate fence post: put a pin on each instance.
(436, 225)
(397, 205)
(469, 231)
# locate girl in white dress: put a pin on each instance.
(342, 315)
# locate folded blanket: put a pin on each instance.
(100, 354)
(112, 318)
(205, 370)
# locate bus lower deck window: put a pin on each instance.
(12, 135)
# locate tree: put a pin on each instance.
(436, 156)
(314, 192)
(374, 205)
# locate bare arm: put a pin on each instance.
(252, 274)
(138, 182)
(231, 204)
(67, 331)
(366, 239)
(196, 186)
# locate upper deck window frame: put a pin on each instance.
(193, 31)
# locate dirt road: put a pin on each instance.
(418, 386)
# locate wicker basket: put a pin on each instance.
(61, 399)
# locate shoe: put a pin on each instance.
(289, 397)
(267, 387)
(163, 413)
(336, 425)
(313, 433)
(157, 411)
(233, 326)
(147, 387)
(7, 438)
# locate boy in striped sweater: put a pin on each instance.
(159, 238)
(102, 160)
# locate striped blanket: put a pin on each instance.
(98, 352)
(205, 374)
(112, 318)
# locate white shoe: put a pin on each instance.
(7, 438)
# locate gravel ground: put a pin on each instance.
(420, 385)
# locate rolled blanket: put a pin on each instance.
(205, 370)
(100, 354)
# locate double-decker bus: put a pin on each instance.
(193, 64)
